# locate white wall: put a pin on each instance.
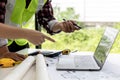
(93, 10)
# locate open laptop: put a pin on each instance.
(90, 62)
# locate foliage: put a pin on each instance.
(68, 14)
(85, 39)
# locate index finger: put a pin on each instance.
(48, 38)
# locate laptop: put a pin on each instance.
(90, 62)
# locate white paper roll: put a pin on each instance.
(21, 69)
(41, 68)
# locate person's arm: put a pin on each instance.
(45, 16)
(47, 19)
(33, 36)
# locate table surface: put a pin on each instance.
(110, 70)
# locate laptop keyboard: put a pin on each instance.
(85, 61)
(77, 62)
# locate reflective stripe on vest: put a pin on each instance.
(20, 42)
(21, 15)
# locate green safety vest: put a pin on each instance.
(21, 15)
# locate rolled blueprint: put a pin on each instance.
(41, 68)
(21, 69)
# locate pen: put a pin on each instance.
(34, 53)
(74, 24)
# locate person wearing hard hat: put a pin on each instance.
(18, 12)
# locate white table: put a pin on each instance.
(110, 71)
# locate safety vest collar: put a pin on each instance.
(21, 14)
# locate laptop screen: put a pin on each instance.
(105, 45)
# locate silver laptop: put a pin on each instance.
(90, 62)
